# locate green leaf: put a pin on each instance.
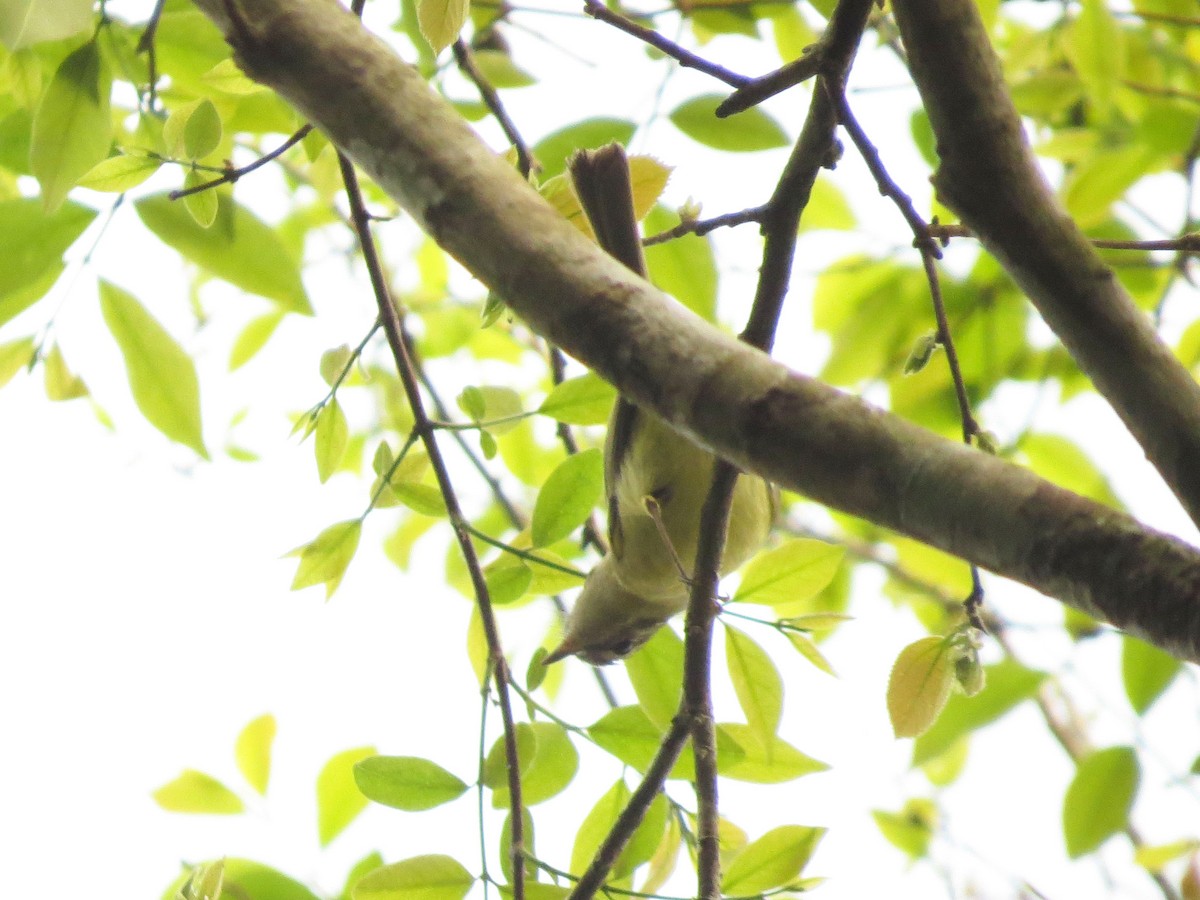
(1062, 461)
(597, 824)
(407, 782)
(656, 672)
(1146, 671)
(441, 21)
(807, 648)
(772, 763)
(15, 356)
(161, 375)
(745, 132)
(72, 128)
(684, 267)
(508, 581)
(253, 338)
(119, 173)
(795, 571)
(919, 685)
(253, 752)
(239, 248)
(552, 150)
(648, 179)
(202, 133)
(339, 800)
(32, 244)
(586, 400)
(631, 737)
(432, 877)
(568, 497)
(500, 71)
(202, 205)
(506, 856)
(757, 684)
(61, 382)
(196, 792)
(24, 23)
(1098, 800)
(227, 78)
(332, 436)
(1008, 684)
(325, 558)
(552, 766)
(495, 764)
(422, 498)
(775, 860)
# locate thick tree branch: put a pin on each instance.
(989, 177)
(796, 431)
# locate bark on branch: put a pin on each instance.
(795, 430)
(988, 176)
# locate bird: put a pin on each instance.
(656, 479)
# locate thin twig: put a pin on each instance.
(399, 342)
(685, 58)
(466, 62)
(231, 175)
(701, 227)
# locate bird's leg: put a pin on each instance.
(653, 503)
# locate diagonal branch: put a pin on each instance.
(793, 430)
(988, 176)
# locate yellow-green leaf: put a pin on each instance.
(202, 132)
(325, 558)
(648, 177)
(253, 338)
(808, 649)
(253, 751)
(203, 205)
(757, 684)
(586, 400)
(196, 792)
(72, 128)
(656, 672)
(161, 375)
(441, 21)
(432, 877)
(119, 173)
(568, 497)
(332, 436)
(772, 763)
(792, 572)
(919, 685)
(775, 860)
(407, 782)
(24, 23)
(32, 244)
(746, 132)
(339, 800)
(1146, 672)
(15, 356)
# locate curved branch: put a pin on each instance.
(793, 430)
(988, 176)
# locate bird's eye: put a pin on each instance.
(623, 648)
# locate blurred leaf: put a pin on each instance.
(239, 248)
(827, 209)
(407, 782)
(253, 338)
(1154, 858)
(805, 647)
(911, 829)
(32, 243)
(1098, 800)
(243, 878)
(1146, 671)
(72, 128)
(61, 382)
(24, 23)
(568, 497)
(325, 558)
(202, 133)
(15, 356)
(551, 767)
(161, 375)
(745, 132)
(432, 877)
(774, 860)
(1096, 48)
(196, 792)
(253, 752)
(1061, 460)
(339, 800)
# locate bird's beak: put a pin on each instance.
(562, 651)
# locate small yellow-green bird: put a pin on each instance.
(655, 479)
